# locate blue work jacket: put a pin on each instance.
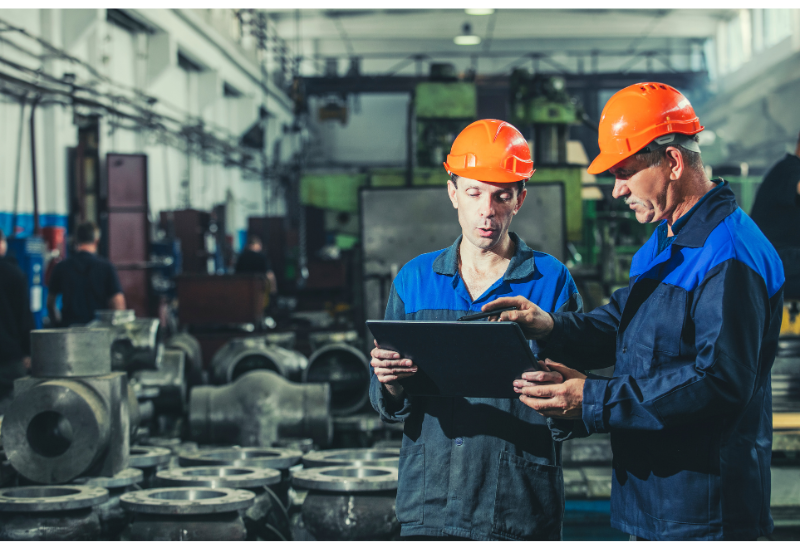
(689, 407)
(486, 469)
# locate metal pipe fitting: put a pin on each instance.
(349, 503)
(71, 352)
(347, 371)
(242, 355)
(135, 341)
(113, 518)
(352, 458)
(319, 339)
(190, 346)
(266, 519)
(358, 431)
(150, 460)
(190, 513)
(56, 512)
(258, 409)
(169, 380)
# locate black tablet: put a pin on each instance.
(458, 359)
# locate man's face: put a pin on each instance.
(485, 210)
(643, 187)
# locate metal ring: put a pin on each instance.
(258, 457)
(146, 457)
(353, 479)
(51, 498)
(187, 500)
(125, 478)
(352, 457)
(241, 477)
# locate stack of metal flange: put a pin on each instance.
(266, 519)
(258, 409)
(52, 513)
(364, 430)
(150, 460)
(785, 494)
(256, 457)
(72, 417)
(587, 467)
(187, 513)
(113, 518)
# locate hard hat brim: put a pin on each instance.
(489, 175)
(603, 162)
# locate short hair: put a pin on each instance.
(253, 239)
(653, 154)
(87, 233)
(520, 183)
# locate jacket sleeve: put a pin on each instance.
(586, 341)
(389, 410)
(731, 313)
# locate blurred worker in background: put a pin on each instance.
(692, 337)
(482, 469)
(776, 210)
(86, 282)
(16, 323)
(253, 260)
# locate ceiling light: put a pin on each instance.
(466, 38)
(478, 11)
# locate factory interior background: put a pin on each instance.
(181, 132)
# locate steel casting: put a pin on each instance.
(347, 371)
(190, 513)
(113, 518)
(258, 409)
(134, 341)
(242, 355)
(50, 513)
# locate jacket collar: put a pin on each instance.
(702, 222)
(522, 263)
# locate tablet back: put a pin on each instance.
(458, 359)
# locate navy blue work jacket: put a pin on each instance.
(689, 406)
(485, 469)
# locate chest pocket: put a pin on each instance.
(657, 338)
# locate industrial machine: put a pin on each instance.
(29, 253)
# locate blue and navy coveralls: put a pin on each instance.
(689, 407)
(485, 469)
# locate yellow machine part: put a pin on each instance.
(790, 326)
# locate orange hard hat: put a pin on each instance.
(637, 115)
(490, 150)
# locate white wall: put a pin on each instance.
(147, 63)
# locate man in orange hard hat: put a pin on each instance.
(692, 337)
(481, 469)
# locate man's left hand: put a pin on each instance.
(541, 391)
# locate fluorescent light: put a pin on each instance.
(478, 11)
(467, 40)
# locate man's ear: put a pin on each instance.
(452, 192)
(676, 163)
(521, 198)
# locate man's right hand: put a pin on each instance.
(535, 323)
(390, 367)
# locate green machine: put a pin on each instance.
(442, 110)
(543, 112)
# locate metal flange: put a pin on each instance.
(147, 457)
(352, 457)
(347, 479)
(51, 498)
(187, 500)
(69, 352)
(258, 457)
(125, 478)
(235, 477)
